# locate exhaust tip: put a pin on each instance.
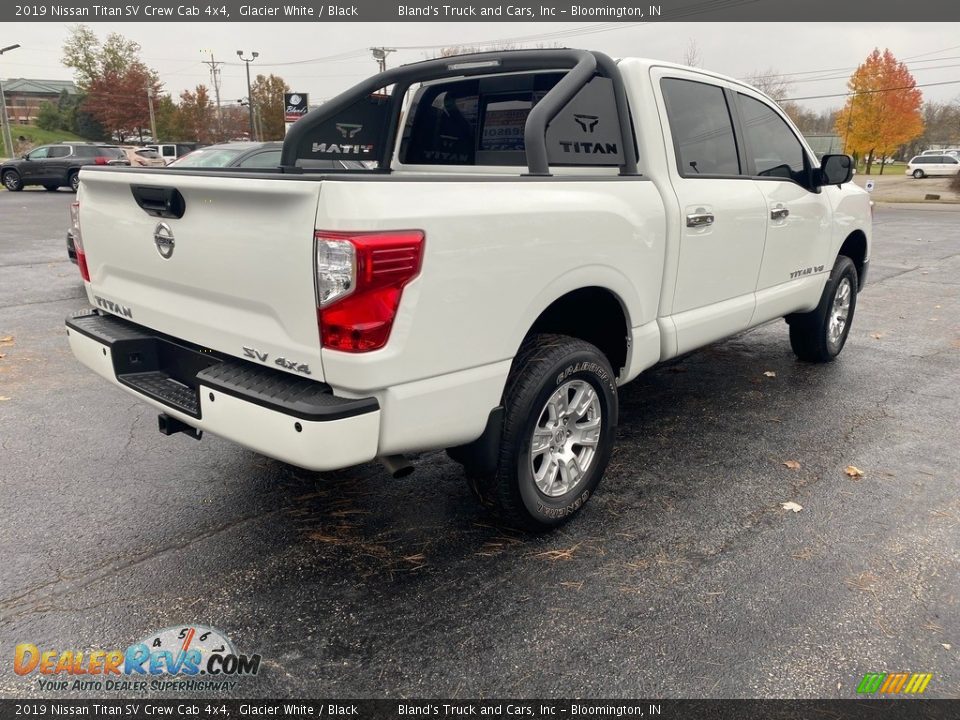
(397, 465)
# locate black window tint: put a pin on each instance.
(701, 127)
(84, 151)
(58, 151)
(443, 127)
(38, 154)
(770, 143)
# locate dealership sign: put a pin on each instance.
(294, 106)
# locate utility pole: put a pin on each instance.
(153, 119)
(255, 54)
(380, 55)
(7, 135)
(215, 80)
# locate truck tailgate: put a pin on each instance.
(239, 279)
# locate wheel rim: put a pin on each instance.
(918, 173)
(74, 181)
(10, 181)
(565, 438)
(839, 311)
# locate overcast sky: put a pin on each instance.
(175, 50)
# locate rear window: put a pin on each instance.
(111, 152)
(210, 157)
(481, 122)
(149, 154)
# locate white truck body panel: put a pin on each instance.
(499, 249)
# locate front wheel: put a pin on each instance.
(819, 335)
(12, 181)
(560, 414)
(918, 174)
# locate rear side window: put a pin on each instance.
(266, 159)
(701, 127)
(770, 143)
(59, 151)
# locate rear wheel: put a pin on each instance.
(11, 180)
(51, 188)
(918, 174)
(819, 335)
(73, 180)
(560, 408)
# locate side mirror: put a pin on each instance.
(23, 157)
(836, 169)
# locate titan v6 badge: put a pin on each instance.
(263, 357)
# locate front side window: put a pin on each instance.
(702, 129)
(770, 143)
(39, 154)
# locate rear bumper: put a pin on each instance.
(272, 412)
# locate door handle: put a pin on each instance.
(699, 219)
(779, 213)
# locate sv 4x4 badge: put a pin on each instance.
(263, 357)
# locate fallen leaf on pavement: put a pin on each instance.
(3, 397)
(770, 373)
(876, 336)
(946, 646)
(853, 471)
(792, 464)
(8, 340)
(796, 507)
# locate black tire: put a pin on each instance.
(545, 365)
(73, 180)
(812, 336)
(918, 174)
(12, 181)
(51, 188)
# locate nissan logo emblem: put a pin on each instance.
(163, 239)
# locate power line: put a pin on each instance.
(870, 92)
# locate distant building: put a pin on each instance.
(825, 144)
(25, 96)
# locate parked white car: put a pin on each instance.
(542, 226)
(923, 166)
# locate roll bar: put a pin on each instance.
(582, 66)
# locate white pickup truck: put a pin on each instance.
(530, 230)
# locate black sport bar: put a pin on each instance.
(582, 65)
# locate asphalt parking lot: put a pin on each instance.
(683, 577)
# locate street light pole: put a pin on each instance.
(153, 118)
(253, 130)
(7, 135)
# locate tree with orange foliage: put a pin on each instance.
(884, 111)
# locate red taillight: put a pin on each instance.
(78, 241)
(100, 160)
(360, 280)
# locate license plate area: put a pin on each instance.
(162, 370)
